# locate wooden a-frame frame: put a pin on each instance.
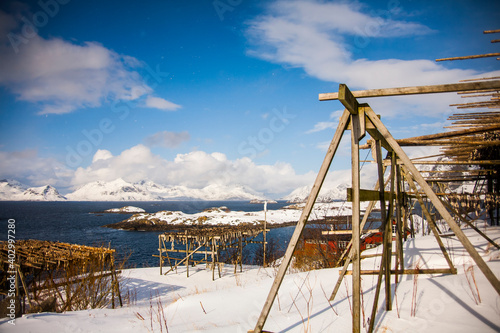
(361, 119)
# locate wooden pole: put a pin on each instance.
(356, 263)
(405, 209)
(383, 215)
(213, 259)
(264, 235)
(160, 248)
(416, 90)
(206, 258)
(388, 238)
(302, 221)
(399, 222)
(26, 291)
(435, 201)
(241, 252)
(187, 258)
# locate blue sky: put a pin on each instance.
(200, 92)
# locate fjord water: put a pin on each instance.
(74, 222)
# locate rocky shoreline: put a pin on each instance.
(148, 225)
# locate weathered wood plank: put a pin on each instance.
(302, 221)
(367, 195)
(347, 99)
(409, 271)
(476, 56)
(415, 90)
(345, 232)
(356, 261)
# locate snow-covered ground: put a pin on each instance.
(232, 303)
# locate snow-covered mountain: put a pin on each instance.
(42, 193)
(116, 190)
(120, 190)
(12, 190)
(327, 194)
(210, 192)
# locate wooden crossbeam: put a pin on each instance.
(367, 195)
(346, 232)
(409, 271)
(491, 162)
(476, 56)
(417, 90)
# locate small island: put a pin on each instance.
(259, 201)
(123, 210)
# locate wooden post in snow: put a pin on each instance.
(356, 263)
(302, 221)
(264, 235)
(160, 248)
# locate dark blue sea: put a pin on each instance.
(74, 222)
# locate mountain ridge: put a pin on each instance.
(121, 190)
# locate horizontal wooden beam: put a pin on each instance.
(373, 255)
(462, 143)
(491, 162)
(367, 195)
(487, 55)
(409, 271)
(346, 232)
(416, 90)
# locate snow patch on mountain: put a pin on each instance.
(327, 194)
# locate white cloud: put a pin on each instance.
(28, 167)
(161, 104)
(313, 35)
(60, 76)
(323, 125)
(63, 77)
(347, 18)
(101, 154)
(195, 169)
(167, 139)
